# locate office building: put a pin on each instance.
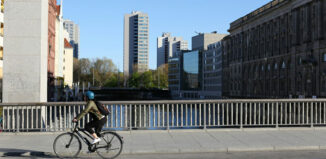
(168, 46)
(74, 36)
(277, 51)
(174, 75)
(202, 40)
(197, 74)
(212, 71)
(135, 49)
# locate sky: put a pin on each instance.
(101, 22)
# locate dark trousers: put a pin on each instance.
(96, 124)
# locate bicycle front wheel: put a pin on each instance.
(110, 145)
(67, 145)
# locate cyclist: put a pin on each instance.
(97, 119)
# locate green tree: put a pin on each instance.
(147, 80)
(112, 81)
(160, 77)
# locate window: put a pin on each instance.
(283, 65)
(269, 67)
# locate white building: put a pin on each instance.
(59, 43)
(168, 46)
(74, 35)
(135, 48)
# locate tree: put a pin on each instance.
(111, 82)
(134, 80)
(147, 80)
(160, 78)
(103, 69)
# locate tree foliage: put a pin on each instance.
(104, 73)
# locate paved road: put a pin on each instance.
(220, 155)
(182, 142)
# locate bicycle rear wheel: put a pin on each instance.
(67, 145)
(110, 145)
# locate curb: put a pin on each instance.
(177, 151)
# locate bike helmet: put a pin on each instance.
(90, 95)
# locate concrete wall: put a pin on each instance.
(25, 58)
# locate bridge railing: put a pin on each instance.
(170, 114)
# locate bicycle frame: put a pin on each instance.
(77, 131)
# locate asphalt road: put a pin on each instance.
(233, 155)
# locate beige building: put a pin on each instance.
(202, 40)
(68, 64)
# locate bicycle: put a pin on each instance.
(68, 145)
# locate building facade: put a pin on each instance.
(68, 64)
(277, 51)
(168, 46)
(202, 40)
(74, 35)
(1, 45)
(197, 74)
(212, 71)
(59, 43)
(52, 16)
(136, 34)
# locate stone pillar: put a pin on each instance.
(25, 51)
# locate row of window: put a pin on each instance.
(143, 24)
(142, 62)
(143, 17)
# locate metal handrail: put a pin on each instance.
(170, 102)
(170, 114)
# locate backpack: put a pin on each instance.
(102, 108)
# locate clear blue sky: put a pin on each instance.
(101, 21)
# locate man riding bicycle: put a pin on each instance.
(97, 119)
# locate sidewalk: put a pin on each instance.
(181, 141)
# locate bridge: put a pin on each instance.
(175, 126)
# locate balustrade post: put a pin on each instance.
(168, 116)
(311, 114)
(130, 118)
(277, 114)
(241, 116)
(205, 116)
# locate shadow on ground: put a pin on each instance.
(23, 153)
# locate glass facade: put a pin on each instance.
(192, 70)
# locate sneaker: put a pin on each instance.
(96, 141)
